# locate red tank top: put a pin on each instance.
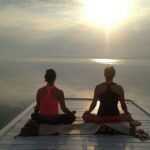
(48, 103)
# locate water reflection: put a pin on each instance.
(107, 61)
(43, 60)
(20, 78)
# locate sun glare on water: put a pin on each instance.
(107, 61)
(107, 12)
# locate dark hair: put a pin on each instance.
(50, 75)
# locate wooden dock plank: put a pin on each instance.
(74, 142)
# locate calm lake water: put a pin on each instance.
(21, 77)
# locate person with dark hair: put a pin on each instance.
(109, 94)
(47, 100)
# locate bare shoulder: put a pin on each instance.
(118, 88)
(100, 88)
(101, 85)
(41, 91)
(58, 92)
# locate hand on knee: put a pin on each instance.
(85, 116)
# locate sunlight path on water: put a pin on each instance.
(107, 61)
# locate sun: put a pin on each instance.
(107, 12)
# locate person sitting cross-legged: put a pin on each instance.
(47, 100)
(109, 94)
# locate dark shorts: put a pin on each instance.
(60, 119)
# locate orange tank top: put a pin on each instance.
(48, 103)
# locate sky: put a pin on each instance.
(36, 29)
(61, 28)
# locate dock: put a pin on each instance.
(74, 141)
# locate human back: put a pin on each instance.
(48, 99)
(109, 95)
(49, 102)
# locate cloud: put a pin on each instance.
(53, 28)
(58, 3)
(42, 4)
(37, 15)
(76, 41)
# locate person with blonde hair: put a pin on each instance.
(109, 94)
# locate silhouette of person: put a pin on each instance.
(109, 94)
(47, 100)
